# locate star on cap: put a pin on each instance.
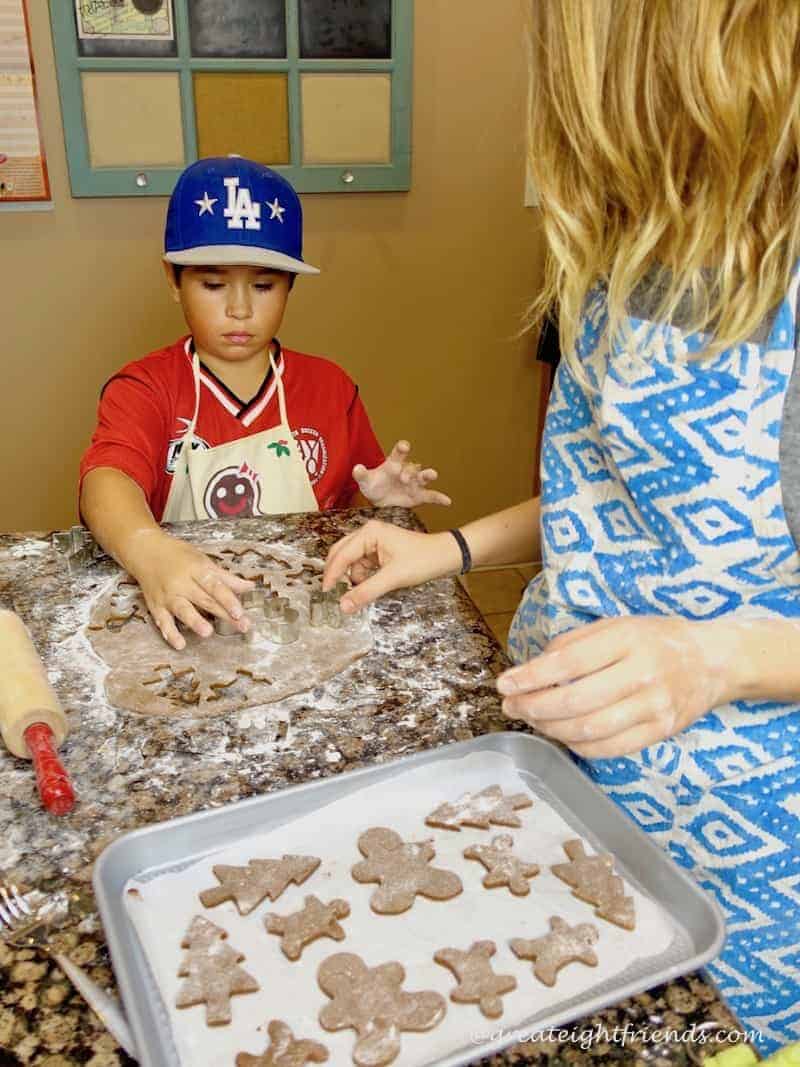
(276, 209)
(206, 204)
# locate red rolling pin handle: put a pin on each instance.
(54, 785)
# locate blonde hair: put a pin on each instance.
(664, 140)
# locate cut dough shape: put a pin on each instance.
(372, 1002)
(477, 982)
(564, 944)
(480, 810)
(593, 880)
(212, 972)
(503, 867)
(220, 674)
(249, 885)
(284, 1050)
(402, 870)
(312, 921)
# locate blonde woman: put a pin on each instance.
(661, 642)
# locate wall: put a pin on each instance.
(420, 299)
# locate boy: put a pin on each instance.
(202, 428)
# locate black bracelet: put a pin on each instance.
(466, 555)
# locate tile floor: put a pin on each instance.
(496, 594)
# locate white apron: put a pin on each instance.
(259, 475)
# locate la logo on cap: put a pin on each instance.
(241, 206)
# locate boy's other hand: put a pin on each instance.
(398, 482)
(178, 582)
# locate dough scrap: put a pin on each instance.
(220, 674)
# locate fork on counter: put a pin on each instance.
(26, 926)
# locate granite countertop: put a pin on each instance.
(429, 681)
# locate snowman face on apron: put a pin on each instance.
(233, 493)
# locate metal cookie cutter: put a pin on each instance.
(78, 547)
(283, 621)
(253, 602)
(323, 608)
(224, 628)
(253, 599)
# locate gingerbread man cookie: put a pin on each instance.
(477, 982)
(371, 1002)
(212, 972)
(249, 885)
(313, 920)
(402, 871)
(479, 810)
(284, 1050)
(593, 880)
(564, 944)
(503, 866)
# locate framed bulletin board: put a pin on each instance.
(23, 169)
(318, 89)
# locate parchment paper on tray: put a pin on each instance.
(162, 908)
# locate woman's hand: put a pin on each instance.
(616, 686)
(398, 482)
(380, 557)
(179, 581)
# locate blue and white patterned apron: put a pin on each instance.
(662, 496)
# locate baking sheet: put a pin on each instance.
(166, 901)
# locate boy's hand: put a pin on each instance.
(179, 581)
(397, 482)
(616, 686)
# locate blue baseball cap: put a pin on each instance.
(231, 211)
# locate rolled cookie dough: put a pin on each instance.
(216, 675)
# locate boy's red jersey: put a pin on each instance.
(146, 408)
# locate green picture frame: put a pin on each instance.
(93, 181)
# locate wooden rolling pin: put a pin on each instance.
(32, 722)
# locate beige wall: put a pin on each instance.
(419, 301)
